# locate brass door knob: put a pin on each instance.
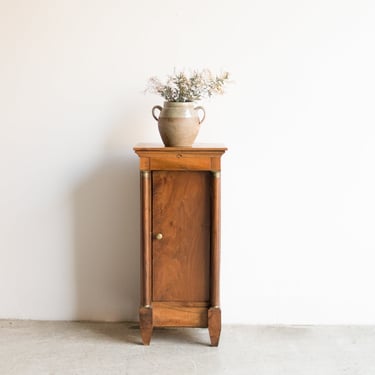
(159, 236)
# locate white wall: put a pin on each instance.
(298, 180)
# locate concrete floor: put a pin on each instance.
(37, 348)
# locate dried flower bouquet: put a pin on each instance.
(183, 87)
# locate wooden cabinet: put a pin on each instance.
(180, 238)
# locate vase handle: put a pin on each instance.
(204, 113)
(153, 111)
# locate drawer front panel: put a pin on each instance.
(180, 162)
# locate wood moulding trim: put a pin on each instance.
(146, 273)
(215, 241)
(199, 157)
(197, 147)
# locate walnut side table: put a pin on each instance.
(180, 238)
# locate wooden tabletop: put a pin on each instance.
(198, 146)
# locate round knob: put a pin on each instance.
(159, 236)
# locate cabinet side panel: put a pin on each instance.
(181, 213)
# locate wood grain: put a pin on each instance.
(172, 314)
(145, 323)
(214, 325)
(181, 212)
(146, 280)
(181, 162)
(199, 157)
(180, 238)
(215, 241)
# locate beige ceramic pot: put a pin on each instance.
(178, 123)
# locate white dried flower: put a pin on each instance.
(183, 87)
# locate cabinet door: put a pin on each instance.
(181, 207)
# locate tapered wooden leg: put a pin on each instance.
(214, 325)
(145, 323)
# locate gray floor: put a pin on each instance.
(29, 347)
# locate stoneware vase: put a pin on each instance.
(178, 123)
